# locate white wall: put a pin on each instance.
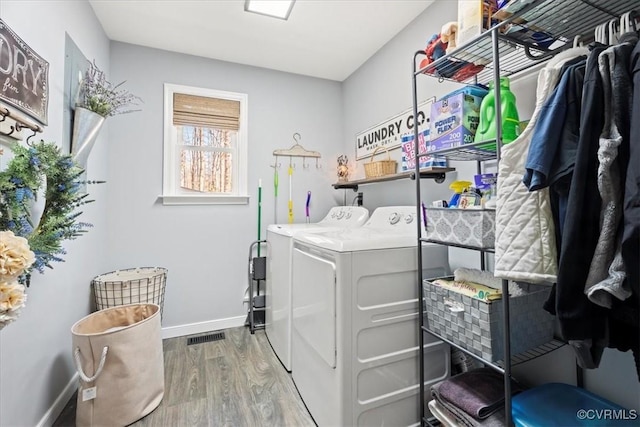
(205, 248)
(35, 351)
(380, 89)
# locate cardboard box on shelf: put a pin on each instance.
(409, 152)
(474, 17)
(454, 121)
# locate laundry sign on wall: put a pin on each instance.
(388, 134)
(24, 76)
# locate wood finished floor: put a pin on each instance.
(235, 382)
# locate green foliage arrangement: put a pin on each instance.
(100, 96)
(30, 169)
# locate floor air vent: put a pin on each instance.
(216, 336)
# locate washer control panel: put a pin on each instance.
(399, 218)
(346, 216)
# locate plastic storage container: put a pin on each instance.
(559, 405)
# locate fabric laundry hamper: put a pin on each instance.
(118, 355)
(131, 285)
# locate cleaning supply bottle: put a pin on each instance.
(458, 188)
(510, 120)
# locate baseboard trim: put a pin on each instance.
(200, 327)
(56, 409)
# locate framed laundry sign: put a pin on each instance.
(388, 134)
(24, 76)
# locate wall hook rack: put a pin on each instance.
(20, 123)
(296, 150)
(29, 143)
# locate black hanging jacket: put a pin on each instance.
(579, 318)
(631, 222)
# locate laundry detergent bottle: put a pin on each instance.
(510, 120)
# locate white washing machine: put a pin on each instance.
(355, 324)
(278, 286)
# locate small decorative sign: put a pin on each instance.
(24, 76)
(388, 134)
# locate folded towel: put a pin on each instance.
(479, 393)
(465, 420)
(446, 418)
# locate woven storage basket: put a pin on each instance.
(380, 167)
(469, 227)
(477, 325)
(130, 286)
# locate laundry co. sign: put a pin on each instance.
(23, 76)
(388, 133)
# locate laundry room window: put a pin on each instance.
(205, 146)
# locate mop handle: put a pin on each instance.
(290, 198)
(275, 194)
(275, 183)
(259, 212)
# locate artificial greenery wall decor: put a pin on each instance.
(29, 170)
(102, 97)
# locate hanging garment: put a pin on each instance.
(624, 316)
(607, 273)
(525, 235)
(555, 138)
(581, 322)
(631, 235)
(552, 153)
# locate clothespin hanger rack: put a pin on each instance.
(296, 150)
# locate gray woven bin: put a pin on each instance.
(470, 227)
(478, 328)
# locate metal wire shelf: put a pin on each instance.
(456, 245)
(516, 359)
(500, 52)
(561, 21)
(473, 151)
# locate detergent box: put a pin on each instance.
(454, 121)
(409, 152)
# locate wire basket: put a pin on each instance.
(130, 286)
(380, 167)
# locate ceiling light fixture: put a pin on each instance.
(274, 8)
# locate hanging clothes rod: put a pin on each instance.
(296, 150)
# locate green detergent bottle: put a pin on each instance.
(510, 120)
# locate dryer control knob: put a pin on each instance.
(394, 218)
(340, 214)
(408, 219)
(348, 215)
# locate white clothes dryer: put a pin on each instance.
(355, 321)
(278, 284)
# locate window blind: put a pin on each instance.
(193, 110)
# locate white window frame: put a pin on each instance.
(172, 194)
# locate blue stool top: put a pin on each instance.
(564, 405)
